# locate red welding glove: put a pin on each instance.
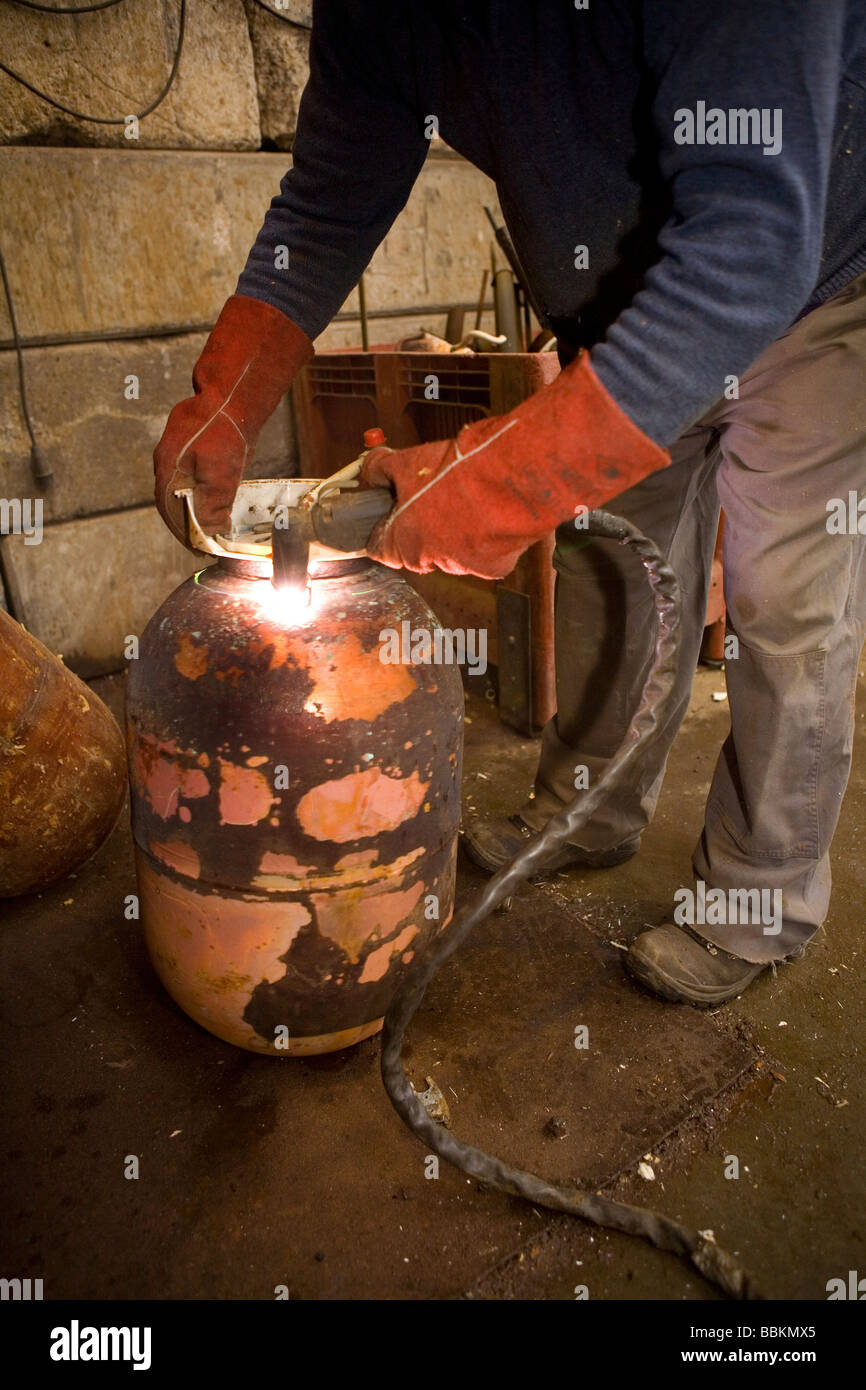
(248, 364)
(472, 505)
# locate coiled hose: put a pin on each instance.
(714, 1263)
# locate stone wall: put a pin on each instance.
(114, 62)
(280, 60)
(119, 254)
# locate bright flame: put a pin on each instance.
(290, 607)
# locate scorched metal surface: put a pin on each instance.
(295, 803)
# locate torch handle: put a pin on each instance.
(345, 520)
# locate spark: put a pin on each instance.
(290, 607)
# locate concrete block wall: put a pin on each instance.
(119, 254)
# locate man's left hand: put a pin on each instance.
(473, 504)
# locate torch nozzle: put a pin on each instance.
(338, 520)
(290, 549)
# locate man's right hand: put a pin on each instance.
(248, 363)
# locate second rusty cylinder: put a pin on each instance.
(62, 779)
(295, 801)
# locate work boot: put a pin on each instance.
(492, 843)
(681, 966)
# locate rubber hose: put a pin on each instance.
(699, 1247)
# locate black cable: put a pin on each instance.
(700, 1248)
(110, 120)
(78, 9)
(38, 464)
(284, 18)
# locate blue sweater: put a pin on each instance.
(709, 155)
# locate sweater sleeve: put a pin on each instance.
(741, 250)
(358, 151)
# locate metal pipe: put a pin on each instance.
(508, 250)
(485, 276)
(505, 299)
(362, 306)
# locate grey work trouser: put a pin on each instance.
(793, 440)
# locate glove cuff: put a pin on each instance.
(251, 359)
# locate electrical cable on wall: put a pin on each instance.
(103, 120)
(41, 471)
(76, 9)
(40, 468)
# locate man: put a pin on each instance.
(685, 184)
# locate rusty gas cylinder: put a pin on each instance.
(62, 779)
(295, 799)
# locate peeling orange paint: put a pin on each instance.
(360, 805)
(189, 659)
(357, 686)
(162, 788)
(355, 916)
(362, 858)
(177, 854)
(162, 778)
(245, 796)
(306, 877)
(377, 963)
(272, 639)
(212, 952)
(231, 673)
(284, 864)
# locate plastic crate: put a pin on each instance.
(417, 397)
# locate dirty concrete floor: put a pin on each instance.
(248, 1182)
(797, 1212)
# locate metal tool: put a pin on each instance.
(336, 513)
(507, 247)
(282, 527)
(341, 521)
